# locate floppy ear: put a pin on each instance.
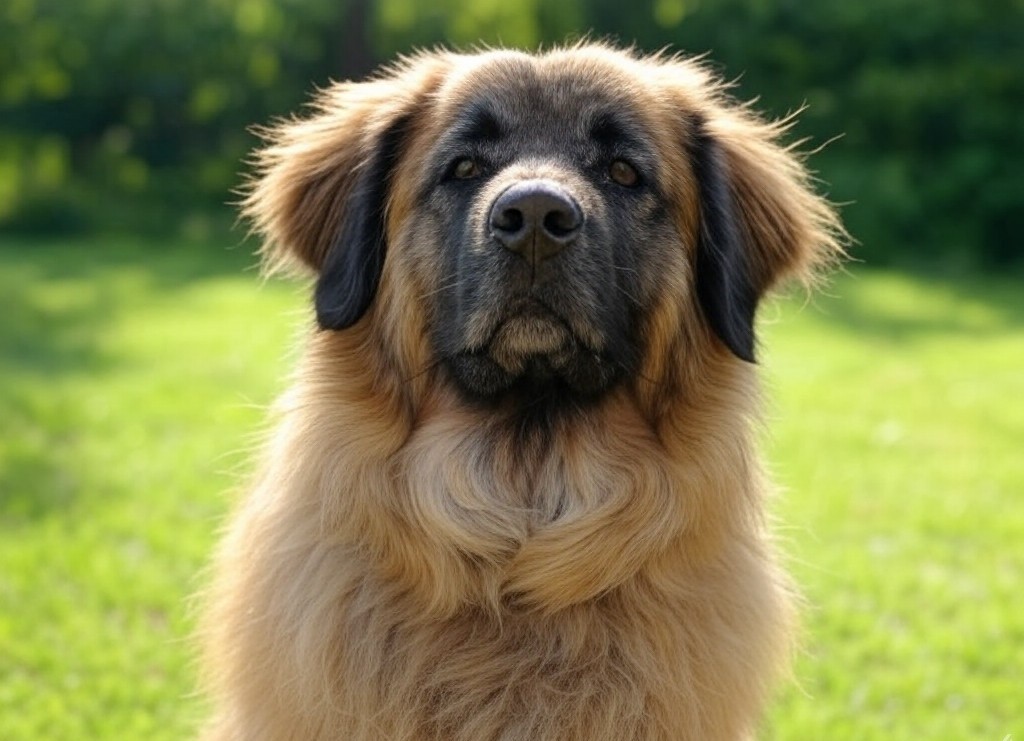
(761, 222)
(350, 273)
(320, 188)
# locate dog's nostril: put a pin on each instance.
(562, 223)
(509, 220)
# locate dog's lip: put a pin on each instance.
(527, 337)
(527, 309)
(560, 354)
(524, 339)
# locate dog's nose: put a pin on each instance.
(536, 219)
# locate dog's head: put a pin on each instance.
(541, 223)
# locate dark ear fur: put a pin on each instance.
(319, 186)
(761, 221)
(351, 271)
(725, 285)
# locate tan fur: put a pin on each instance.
(408, 567)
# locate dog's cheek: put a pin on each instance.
(405, 310)
(648, 256)
(437, 257)
(468, 281)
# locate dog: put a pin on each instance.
(513, 491)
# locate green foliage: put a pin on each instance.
(404, 23)
(926, 96)
(120, 97)
(895, 427)
(107, 101)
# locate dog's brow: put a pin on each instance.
(608, 129)
(477, 123)
(605, 128)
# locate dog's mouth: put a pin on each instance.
(533, 337)
(533, 349)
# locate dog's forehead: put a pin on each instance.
(528, 94)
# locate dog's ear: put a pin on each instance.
(761, 221)
(320, 187)
(350, 273)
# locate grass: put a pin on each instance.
(132, 378)
(899, 422)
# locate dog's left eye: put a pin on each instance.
(466, 169)
(624, 174)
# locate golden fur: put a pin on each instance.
(409, 567)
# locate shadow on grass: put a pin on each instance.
(895, 306)
(49, 326)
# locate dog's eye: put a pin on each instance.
(623, 173)
(466, 169)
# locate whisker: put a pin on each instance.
(426, 369)
(454, 283)
(628, 295)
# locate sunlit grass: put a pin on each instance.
(132, 383)
(132, 379)
(897, 427)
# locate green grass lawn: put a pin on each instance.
(133, 379)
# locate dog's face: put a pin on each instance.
(543, 202)
(549, 224)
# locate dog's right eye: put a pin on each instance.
(465, 169)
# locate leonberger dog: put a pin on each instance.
(512, 492)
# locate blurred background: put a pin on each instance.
(138, 349)
(130, 115)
